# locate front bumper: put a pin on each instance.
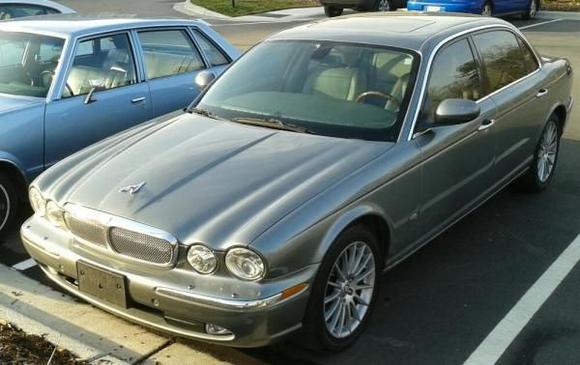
(161, 300)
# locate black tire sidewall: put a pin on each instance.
(317, 336)
(6, 186)
(332, 11)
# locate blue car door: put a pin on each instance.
(171, 60)
(508, 6)
(101, 95)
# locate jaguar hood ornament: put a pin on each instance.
(132, 189)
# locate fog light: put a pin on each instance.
(214, 329)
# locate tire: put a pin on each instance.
(331, 335)
(332, 11)
(9, 204)
(532, 11)
(383, 5)
(541, 172)
(487, 9)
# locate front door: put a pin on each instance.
(105, 68)
(457, 166)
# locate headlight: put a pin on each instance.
(202, 259)
(245, 264)
(37, 202)
(55, 214)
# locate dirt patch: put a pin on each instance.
(562, 5)
(19, 348)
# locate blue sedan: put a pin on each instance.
(67, 82)
(527, 8)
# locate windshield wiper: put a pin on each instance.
(205, 113)
(272, 123)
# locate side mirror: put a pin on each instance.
(203, 79)
(456, 111)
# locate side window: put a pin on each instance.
(51, 11)
(94, 67)
(12, 11)
(169, 52)
(215, 56)
(502, 57)
(529, 57)
(454, 75)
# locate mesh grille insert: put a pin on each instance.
(87, 231)
(141, 246)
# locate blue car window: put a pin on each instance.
(214, 54)
(28, 73)
(169, 52)
(95, 67)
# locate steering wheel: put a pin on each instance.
(387, 97)
(51, 73)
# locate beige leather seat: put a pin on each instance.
(160, 64)
(345, 82)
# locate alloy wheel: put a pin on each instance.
(4, 206)
(547, 152)
(349, 289)
(487, 10)
(384, 5)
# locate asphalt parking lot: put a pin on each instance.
(457, 298)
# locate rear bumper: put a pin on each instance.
(167, 306)
(466, 7)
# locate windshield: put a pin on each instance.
(326, 88)
(27, 63)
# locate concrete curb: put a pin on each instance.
(80, 328)
(569, 15)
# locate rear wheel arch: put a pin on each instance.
(561, 112)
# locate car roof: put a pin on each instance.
(51, 4)
(410, 30)
(76, 25)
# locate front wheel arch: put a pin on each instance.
(16, 176)
(370, 216)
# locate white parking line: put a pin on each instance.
(505, 332)
(542, 23)
(25, 265)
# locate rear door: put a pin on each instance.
(517, 89)
(106, 65)
(171, 61)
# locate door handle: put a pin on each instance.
(541, 93)
(138, 100)
(488, 123)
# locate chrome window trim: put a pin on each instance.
(452, 38)
(109, 221)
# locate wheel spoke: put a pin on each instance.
(364, 275)
(332, 297)
(360, 300)
(329, 314)
(339, 272)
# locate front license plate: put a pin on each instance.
(102, 284)
(434, 9)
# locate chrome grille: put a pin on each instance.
(141, 246)
(86, 230)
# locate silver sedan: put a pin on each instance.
(327, 154)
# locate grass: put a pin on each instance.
(565, 5)
(245, 7)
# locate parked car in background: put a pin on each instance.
(11, 9)
(68, 81)
(528, 9)
(326, 154)
(336, 7)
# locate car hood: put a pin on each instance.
(13, 103)
(209, 181)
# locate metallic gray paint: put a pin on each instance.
(288, 195)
